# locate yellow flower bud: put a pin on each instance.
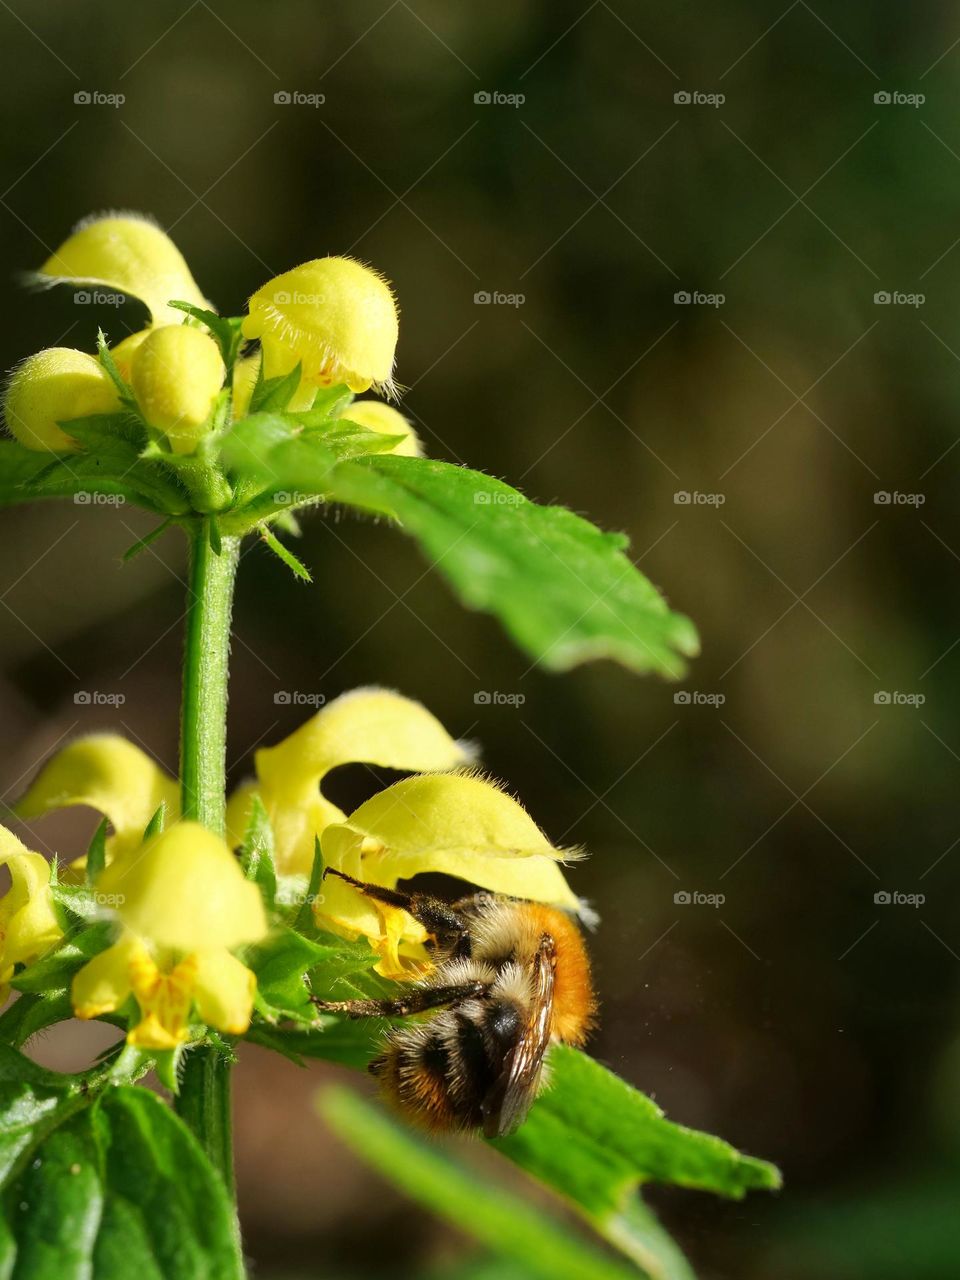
(55, 386)
(333, 316)
(124, 352)
(377, 416)
(28, 925)
(177, 373)
(128, 254)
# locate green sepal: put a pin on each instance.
(55, 970)
(284, 554)
(274, 393)
(226, 329)
(256, 853)
(97, 852)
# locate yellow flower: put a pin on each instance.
(333, 316)
(128, 254)
(184, 903)
(28, 925)
(369, 726)
(53, 387)
(108, 774)
(125, 352)
(459, 824)
(177, 374)
(377, 416)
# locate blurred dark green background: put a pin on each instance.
(802, 1019)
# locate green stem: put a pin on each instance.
(204, 1098)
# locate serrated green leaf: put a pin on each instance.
(328, 403)
(280, 964)
(30, 1014)
(116, 1188)
(564, 590)
(595, 1139)
(284, 554)
(490, 1214)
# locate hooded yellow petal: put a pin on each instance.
(28, 924)
(368, 726)
(128, 254)
(110, 775)
(185, 890)
(103, 984)
(177, 374)
(224, 991)
(377, 416)
(333, 316)
(53, 387)
(458, 824)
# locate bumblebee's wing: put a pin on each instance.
(511, 1095)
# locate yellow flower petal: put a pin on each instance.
(377, 416)
(53, 387)
(458, 824)
(103, 984)
(110, 775)
(335, 317)
(224, 991)
(176, 375)
(185, 890)
(28, 924)
(165, 999)
(128, 254)
(369, 726)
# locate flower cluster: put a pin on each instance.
(334, 320)
(184, 911)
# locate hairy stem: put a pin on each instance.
(204, 1098)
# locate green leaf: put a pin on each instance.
(329, 402)
(296, 566)
(105, 356)
(142, 543)
(256, 852)
(55, 970)
(280, 964)
(490, 1214)
(97, 853)
(226, 329)
(565, 591)
(114, 1189)
(30, 1014)
(274, 393)
(349, 1044)
(157, 822)
(595, 1139)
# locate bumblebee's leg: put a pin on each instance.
(417, 1000)
(441, 921)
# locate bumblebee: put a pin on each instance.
(509, 977)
